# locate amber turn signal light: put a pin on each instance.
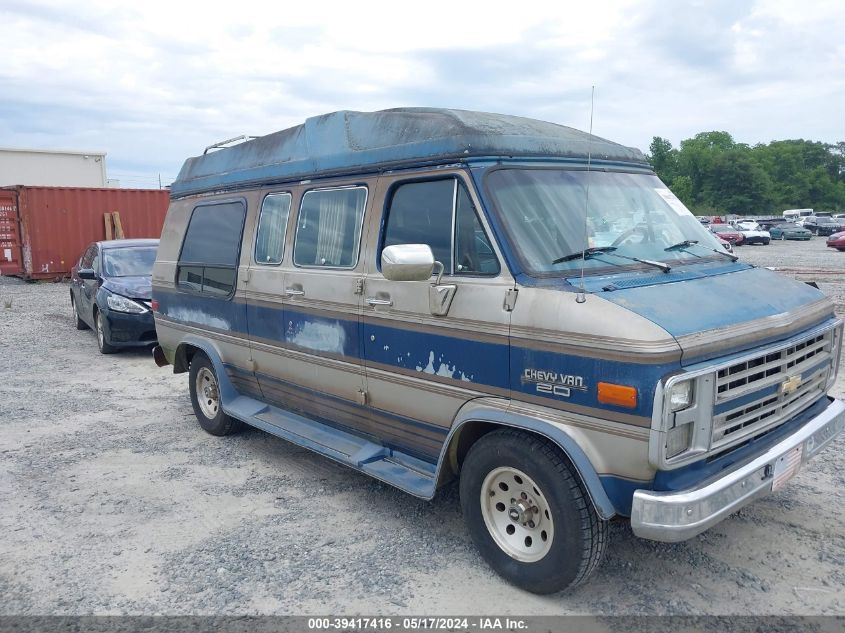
(620, 395)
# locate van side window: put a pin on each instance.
(421, 213)
(440, 213)
(272, 226)
(209, 257)
(328, 230)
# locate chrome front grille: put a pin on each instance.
(790, 379)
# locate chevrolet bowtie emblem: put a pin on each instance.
(790, 384)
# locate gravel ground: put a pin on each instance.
(113, 501)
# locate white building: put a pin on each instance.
(53, 168)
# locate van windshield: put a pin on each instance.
(543, 212)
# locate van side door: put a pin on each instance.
(424, 362)
(264, 285)
(319, 371)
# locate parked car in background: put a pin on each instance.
(725, 244)
(823, 225)
(837, 241)
(768, 223)
(789, 231)
(795, 215)
(746, 225)
(728, 233)
(752, 233)
(110, 292)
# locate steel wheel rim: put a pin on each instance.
(101, 336)
(517, 514)
(208, 393)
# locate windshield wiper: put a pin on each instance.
(680, 246)
(589, 253)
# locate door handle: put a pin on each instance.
(380, 301)
(294, 292)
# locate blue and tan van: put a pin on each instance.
(427, 295)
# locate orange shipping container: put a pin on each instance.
(43, 230)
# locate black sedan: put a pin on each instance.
(820, 225)
(110, 291)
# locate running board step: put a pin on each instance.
(407, 473)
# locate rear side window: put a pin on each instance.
(272, 226)
(209, 258)
(328, 230)
(440, 213)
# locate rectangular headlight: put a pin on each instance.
(680, 396)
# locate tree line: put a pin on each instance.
(714, 175)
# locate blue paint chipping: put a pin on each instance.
(434, 354)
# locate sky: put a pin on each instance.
(152, 83)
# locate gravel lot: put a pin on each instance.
(114, 501)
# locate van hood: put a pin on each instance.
(139, 287)
(720, 314)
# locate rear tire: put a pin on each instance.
(545, 538)
(205, 398)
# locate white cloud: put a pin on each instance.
(152, 83)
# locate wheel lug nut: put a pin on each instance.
(531, 524)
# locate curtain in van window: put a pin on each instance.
(330, 239)
(272, 226)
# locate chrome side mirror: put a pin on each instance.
(407, 262)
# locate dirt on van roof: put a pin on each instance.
(115, 502)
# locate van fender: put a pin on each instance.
(227, 391)
(496, 411)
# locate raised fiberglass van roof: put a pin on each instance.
(355, 142)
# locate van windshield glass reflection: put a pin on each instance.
(543, 211)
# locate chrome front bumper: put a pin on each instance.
(679, 515)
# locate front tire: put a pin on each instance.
(80, 324)
(102, 342)
(528, 513)
(205, 398)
